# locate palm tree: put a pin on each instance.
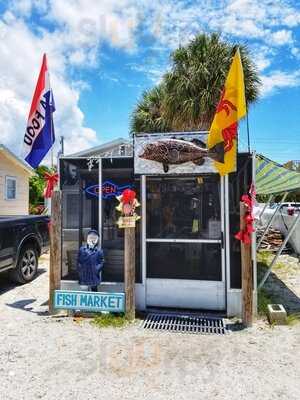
(189, 93)
(147, 116)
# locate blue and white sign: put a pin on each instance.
(109, 189)
(89, 301)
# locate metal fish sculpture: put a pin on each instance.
(178, 151)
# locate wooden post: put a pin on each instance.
(55, 247)
(130, 272)
(247, 276)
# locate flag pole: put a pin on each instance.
(248, 131)
(52, 156)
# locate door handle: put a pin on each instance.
(222, 240)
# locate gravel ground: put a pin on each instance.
(42, 357)
(284, 282)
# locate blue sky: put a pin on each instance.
(103, 54)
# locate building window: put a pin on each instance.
(10, 188)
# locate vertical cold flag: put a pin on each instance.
(231, 108)
(39, 136)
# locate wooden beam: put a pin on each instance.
(130, 272)
(55, 247)
(247, 276)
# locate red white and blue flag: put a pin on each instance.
(39, 136)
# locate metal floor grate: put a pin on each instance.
(185, 324)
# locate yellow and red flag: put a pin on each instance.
(231, 108)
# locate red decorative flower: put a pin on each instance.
(128, 196)
(51, 181)
(245, 234)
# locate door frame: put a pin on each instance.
(190, 283)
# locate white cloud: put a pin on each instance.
(80, 27)
(73, 31)
(295, 52)
(262, 24)
(249, 19)
(279, 80)
(282, 37)
(153, 72)
(20, 53)
(262, 58)
(87, 22)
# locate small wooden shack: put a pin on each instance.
(186, 253)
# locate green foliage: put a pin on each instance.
(187, 97)
(110, 320)
(263, 299)
(265, 295)
(293, 319)
(36, 186)
(147, 116)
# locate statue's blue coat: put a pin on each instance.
(89, 265)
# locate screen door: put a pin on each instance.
(184, 245)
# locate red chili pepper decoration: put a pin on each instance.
(245, 234)
(51, 181)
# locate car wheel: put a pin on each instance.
(27, 265)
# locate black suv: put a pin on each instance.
(22, 241)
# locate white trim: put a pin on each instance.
(253, 249)
(94, 157)
(222, 204)
(197, 294)
(202, 294)
(12, 178)
(101, 148)
(234, 303)
(185, 240)
(143, 226)
(100, 230)
(227, 240)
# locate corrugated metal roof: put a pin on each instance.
(109, 147)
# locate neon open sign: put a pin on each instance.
(109, 189)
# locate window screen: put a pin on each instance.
(186, 208)
(11, 188)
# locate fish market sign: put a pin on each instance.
(89, 301)
(175, 153)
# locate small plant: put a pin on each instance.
(109, 320)
(293, 319)
(263, 299)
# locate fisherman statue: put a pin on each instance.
(90, 262)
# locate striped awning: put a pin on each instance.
(272, 178)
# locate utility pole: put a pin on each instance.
(247, 275)
(129, 237)
(55, 247)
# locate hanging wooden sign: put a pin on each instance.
(127, 222)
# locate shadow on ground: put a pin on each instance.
(24, 305)
(7, 284)
(279, 291)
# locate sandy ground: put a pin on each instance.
(42, 357)
(284, 282)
